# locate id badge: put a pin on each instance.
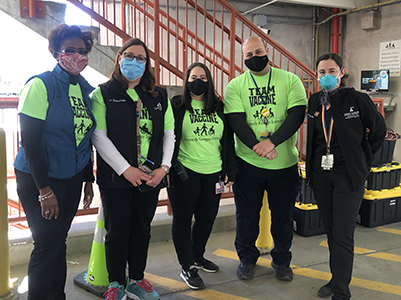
(219, 187)
(263, 135)
(146, 169)
(327, 162)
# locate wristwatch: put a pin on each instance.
(165, 169)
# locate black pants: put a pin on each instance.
(47, 269)
(282, 188)
(128, 214)
(194, 197)
(338, 208)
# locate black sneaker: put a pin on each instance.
(192, 278)
(325, 291)
(283, 273)
(245, 271)
(206, 265)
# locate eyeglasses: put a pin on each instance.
(72, 51)
(131, 56)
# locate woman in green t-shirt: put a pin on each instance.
(203, 162)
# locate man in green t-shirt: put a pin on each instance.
(265, 107)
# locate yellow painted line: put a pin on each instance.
(170, 284)
(356, 249)
(366, 284)
(178, 286)
(208, 294)
(386, 256)
(389, 230)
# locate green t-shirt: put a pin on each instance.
(145, 124)
(33, 102)
(200, 147)
(285, 91)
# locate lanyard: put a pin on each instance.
(268, 86)
(328, 133)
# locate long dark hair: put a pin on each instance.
(210, 98)
(338, 60)
(147, 82)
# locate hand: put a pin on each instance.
(227, 183)
(155, 180)
(263, 148)
(49, 206)
(272, 154)
(88, 194)
(135, 176)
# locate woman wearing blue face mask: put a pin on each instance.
(134, 139)
(339, 154)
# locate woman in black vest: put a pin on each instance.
(339, 155)
(134, 140)
(204, 161)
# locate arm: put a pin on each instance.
(241, 128)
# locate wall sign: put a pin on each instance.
(390, 57)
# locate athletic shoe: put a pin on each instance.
(206, 265)
(115, 292)
(283, 273)
(245, 271)
(141, 290)
(325, 291)
(192, 278)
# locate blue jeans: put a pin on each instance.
(282, 188)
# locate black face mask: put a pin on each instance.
(198, 86)
(257, 63)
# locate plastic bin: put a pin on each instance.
(305, 194)
(380, 207)
(307, 220)
(384, 177)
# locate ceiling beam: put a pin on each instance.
(345, 4)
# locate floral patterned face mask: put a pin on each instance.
(73, 64)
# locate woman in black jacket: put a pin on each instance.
(344, 131)
(134, 139)
(203, 162)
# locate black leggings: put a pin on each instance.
(194, 197)
(47, 270)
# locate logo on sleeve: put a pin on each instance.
(352, 114)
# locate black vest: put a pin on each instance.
(121, 117)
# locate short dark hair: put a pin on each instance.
(63, 32)
(210, 98)
(147, 82)
(338, 60)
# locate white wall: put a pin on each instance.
(361, 52)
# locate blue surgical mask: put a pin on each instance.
(132, 69)
(328, 81)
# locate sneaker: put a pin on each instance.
(206, 265)
(325, 291)
(192, 278)
(245, 271)
(115, 292)
(283, 273)
(141, 290)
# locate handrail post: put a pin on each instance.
(232, 44)
(157, 41)
(6, 291)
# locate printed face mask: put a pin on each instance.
(198, 87)
(132, 69)
(257, 63)
(328, 81)
(74, 63)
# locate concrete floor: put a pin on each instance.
(376, 269)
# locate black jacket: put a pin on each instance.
(353, 113)
(121, 123)
(229, 166)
